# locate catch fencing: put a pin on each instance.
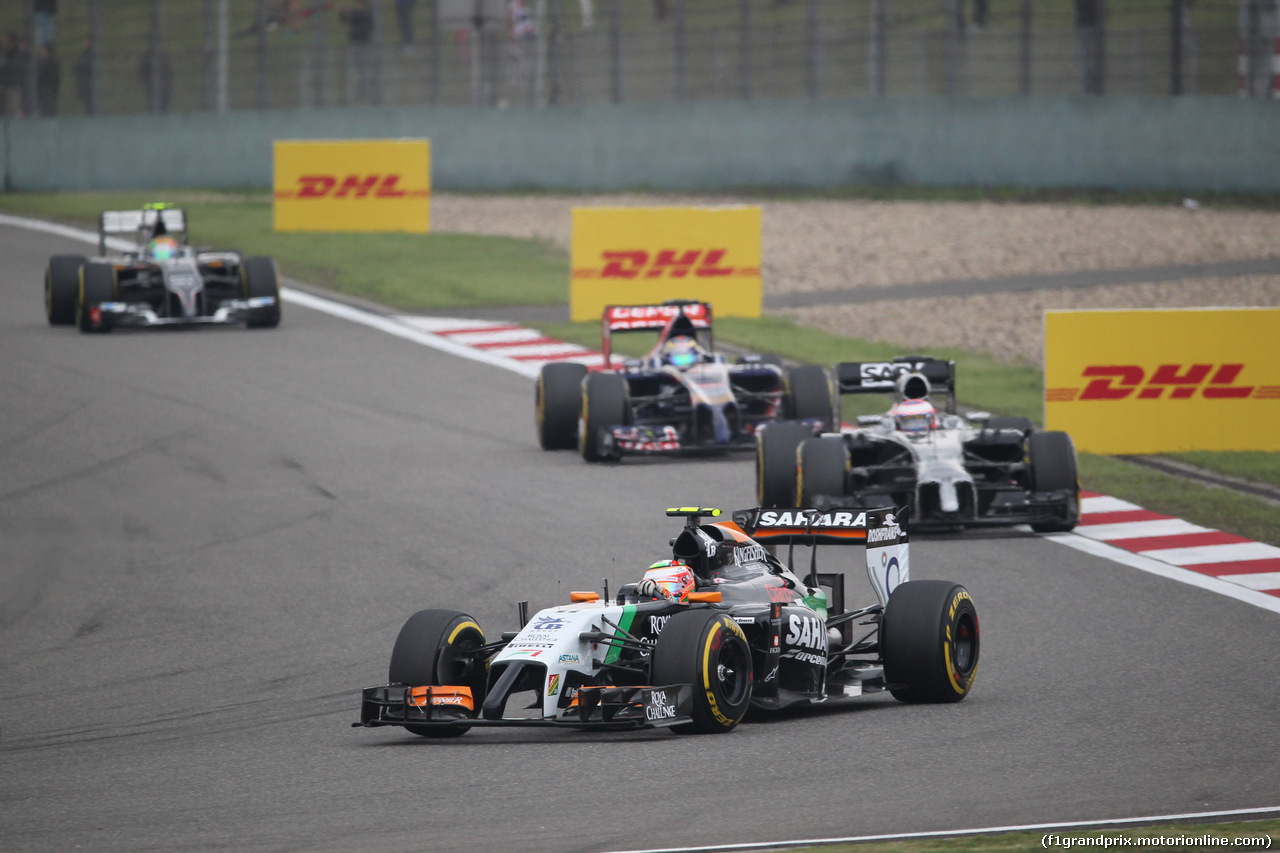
(128, 56)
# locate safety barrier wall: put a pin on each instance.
(1186, 143)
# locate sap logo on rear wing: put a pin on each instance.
(853, 377)
(809, 518)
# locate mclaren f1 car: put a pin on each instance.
(160, 281)
(950, 471)
(681, 396)
(721, 627)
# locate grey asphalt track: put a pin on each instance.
(209, 539)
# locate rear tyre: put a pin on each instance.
(707, 649)
(1053, 468)
(261, 281)
(929, 642)
(823, 464)
(97, 285)
(604, 404)
(558, 401)
(62, 288)
(427, 652)
(809, 387)
(776, 446)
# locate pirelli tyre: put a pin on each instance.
(823, 462)
(776, 447)
(810, 395)
(261, 282)
(929, 642)
(97, 285)
(558, 403)
(707, 649)
(427, 653)
(62, 288)
(1053, 468)
(604, 404)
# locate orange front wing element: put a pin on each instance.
(459, 697)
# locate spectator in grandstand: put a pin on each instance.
(48, 79)
(1089, 45)
(404, 17)
(83, 73)
(360, 83)
(13, 76)
(45, 11)
(156, 75)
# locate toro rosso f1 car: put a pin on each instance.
(721, 628)
(160, 282)
(950, 471)
(681, 396)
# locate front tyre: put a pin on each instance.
(261, 282)
(823, 462)
(604, 405)
(97, 285)
(1053, 469)
(62, 288)
(776, 462)
(431, 650)
(809, 389)
(929, 642)
(558, 401)
(707, 649)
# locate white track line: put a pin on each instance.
(952, 833)
(1164, 570)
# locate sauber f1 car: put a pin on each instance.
(161, 282)
(721, 628)
(681, 396)
(949, 471)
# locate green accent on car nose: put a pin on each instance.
(624, 624)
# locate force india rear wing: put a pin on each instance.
(883, 531)
(881, 377)
(113, 222)
(653, 318)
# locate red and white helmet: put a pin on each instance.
(673, 577)
(914, 416)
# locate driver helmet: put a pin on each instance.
(914, 416)
(674, 577)
(681, 351)
(162, 248)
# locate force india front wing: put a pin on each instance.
(610, 708)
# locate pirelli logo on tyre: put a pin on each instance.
(646, 255)
(1135, 382)
(353, 185)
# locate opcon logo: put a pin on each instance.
(350, 186)
(1168, 381)
(665, 263)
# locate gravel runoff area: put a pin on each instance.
(828, 245)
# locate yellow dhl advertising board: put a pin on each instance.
(353, 185)
(645, 255)
(1164, 381)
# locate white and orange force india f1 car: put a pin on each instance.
(161, 281)
(750, 634)
(681, 396)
